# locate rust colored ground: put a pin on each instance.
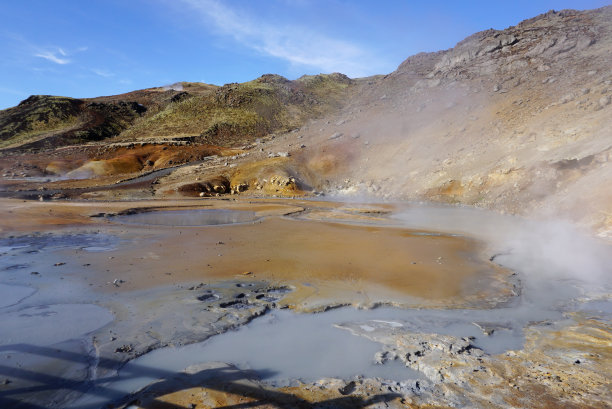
(327, 263)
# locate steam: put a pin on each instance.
(547, 253)
(177, 86)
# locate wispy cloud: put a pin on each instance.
(53, 56)
(297, 45)
(57, 55)
(102, 73)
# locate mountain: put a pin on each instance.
(516, 120)
(227, 115)
(49, 121)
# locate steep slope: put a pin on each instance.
(517, 120)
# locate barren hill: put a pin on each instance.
(516, 120)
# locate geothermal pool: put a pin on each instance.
(192, 217)
(125, 301)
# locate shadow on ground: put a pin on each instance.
(43, 390)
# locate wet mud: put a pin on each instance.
(162, 298)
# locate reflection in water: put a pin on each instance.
(199, 217)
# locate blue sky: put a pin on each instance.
(90, 48)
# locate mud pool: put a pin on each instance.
(93, 313)
(193, 217)
(283, 347)
(12, 294)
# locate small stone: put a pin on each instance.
(347, 389)
(124, 348)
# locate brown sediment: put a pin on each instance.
(327, 263)
(324, 261)
(21, 216)
(253, 394)
(27, 216)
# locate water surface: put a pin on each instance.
(192, 217)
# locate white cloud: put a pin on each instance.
(102, 73)
(51, 56)
(57, 55)
(297, 45)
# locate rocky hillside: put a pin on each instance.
(225, 116)
(517, 120)
(238, 113)
(49, 121)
